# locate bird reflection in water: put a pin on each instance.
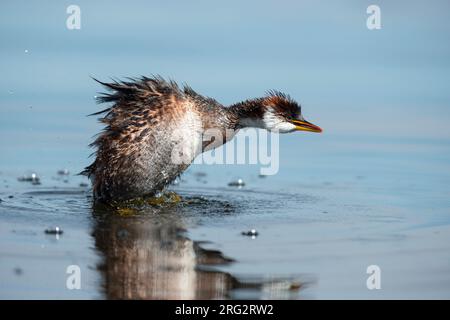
(148, 256)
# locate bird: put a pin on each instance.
(150, 117)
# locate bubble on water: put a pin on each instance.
(63, 172)
(250, 233)
(54, 230)
(237, 183)
(26, 50)
(32, 177)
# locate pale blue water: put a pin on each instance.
(372, 189)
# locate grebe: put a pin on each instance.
(152, 117)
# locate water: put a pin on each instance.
(373, 189)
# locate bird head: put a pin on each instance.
(275, 112)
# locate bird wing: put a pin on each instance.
(138, 105)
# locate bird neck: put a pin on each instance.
(248, 113)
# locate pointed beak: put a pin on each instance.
(305, 126)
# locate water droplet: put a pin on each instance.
(54, 230)
(33, 178)
(250, 233)
(237, 183)
(63, 172)
(26, 51)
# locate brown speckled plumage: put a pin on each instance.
(149, 117)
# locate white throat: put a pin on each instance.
(270, 121)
